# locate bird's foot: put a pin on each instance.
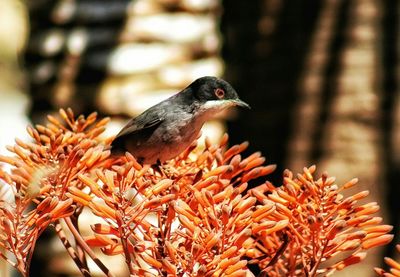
(157, 167)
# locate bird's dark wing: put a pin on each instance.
(137, 131)
(140, 124)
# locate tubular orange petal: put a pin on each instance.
(235, 267)
(113, 249)
(378, 241)
(79, 193)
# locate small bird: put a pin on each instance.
(166, 129)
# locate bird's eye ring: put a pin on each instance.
(220, 93)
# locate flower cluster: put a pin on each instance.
(42, 172)
(191, 216)
(322, 224)
(394, 266)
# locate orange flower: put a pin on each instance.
(321, 225)
(42, 173)
(394, 266)
(192, 215)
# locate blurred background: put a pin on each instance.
(322, 78)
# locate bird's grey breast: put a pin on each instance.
(183, 126)
(177, 131)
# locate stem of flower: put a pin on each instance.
(81, 266)
(79, 250)
(86, 247)
(124, 242)
(278, 253)
(313, 272)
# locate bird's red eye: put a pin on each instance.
(220, 93)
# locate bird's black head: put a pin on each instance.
(216, 92)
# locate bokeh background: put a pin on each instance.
(322, 78)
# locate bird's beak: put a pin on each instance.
(241, 103)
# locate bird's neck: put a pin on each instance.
(204, 113)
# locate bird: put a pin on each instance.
(166, 129)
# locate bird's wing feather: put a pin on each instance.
(136, 132)
(138, 125)
(140, 129)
